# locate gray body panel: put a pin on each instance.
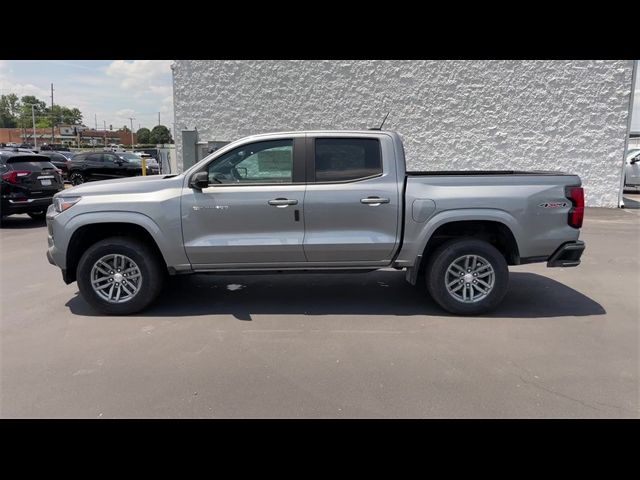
(232, 227)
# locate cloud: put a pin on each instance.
(126, 112)
(138, 73)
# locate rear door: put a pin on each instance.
(352, 203)
(95, 166)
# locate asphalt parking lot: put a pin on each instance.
(563, 345)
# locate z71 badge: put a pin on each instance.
(554, 205)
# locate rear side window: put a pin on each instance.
(95, 157)
(342, 159)
(80, 157)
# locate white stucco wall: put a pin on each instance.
(554, 115)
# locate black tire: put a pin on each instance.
(76, 178)
(151, 269)
(38, 215)
(444, 256)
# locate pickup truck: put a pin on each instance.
(315, 201)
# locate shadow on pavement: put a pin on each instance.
(21, 221)
(379, 293)
(631, 202)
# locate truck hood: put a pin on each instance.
(142, 184)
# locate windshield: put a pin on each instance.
(632, 153)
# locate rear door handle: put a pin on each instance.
(282, 202)
(374, 201)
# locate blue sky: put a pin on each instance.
(117, 89)
(111, 89)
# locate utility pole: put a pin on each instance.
(33, 117)
(131, 119)
(52, 117)
(104, 122)
(158, 118)
(96, 120)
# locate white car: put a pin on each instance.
(632, 169)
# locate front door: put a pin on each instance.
(251, 213)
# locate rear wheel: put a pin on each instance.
(467, 276)
(76, 178)
(37, 215)
(120, 276)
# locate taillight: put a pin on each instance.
(576, 214)
(12, 177)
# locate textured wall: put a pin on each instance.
(564, 115)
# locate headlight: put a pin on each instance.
(60, 204)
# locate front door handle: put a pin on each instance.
(374, 201)
(282, 202)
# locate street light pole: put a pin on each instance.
(33, 118)
(131, 120)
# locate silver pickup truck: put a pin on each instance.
(316, 201)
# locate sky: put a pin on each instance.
(114, 90)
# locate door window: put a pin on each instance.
(344, 159)
(261, 162)
(94, 157)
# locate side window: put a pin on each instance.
(95, 157)
(80, 157)
(340, 159)
(261, 162)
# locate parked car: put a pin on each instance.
(60, 160)
(632, 169)
(28, 183)
(312, 202)
(88, 166)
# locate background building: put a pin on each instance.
(67, 135)
(553, 115)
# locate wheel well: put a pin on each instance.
(88, 235)
(496, 233)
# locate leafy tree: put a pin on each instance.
(160, 134)
(16, 112)
(125, 128)
(9, 108)
(67, 116)
(143, 135)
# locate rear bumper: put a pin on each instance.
(568, 255)
(10, 206)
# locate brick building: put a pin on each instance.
(67, 135)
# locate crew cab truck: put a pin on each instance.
(316, 201)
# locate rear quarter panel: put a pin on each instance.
(517, 201)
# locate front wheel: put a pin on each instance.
(120, 276)
(467, 276)
(76, 178)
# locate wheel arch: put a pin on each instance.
(90, 228)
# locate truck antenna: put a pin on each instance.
(385, 119)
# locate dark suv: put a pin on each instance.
(106, 165)
(60, 160)
(28, 183)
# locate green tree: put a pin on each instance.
(160, 134)
(9, 109)
(24, 119)
(66, 116)
(143, 135)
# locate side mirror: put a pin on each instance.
(635, 160)
(199, 180)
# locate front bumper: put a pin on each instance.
(567, 255)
